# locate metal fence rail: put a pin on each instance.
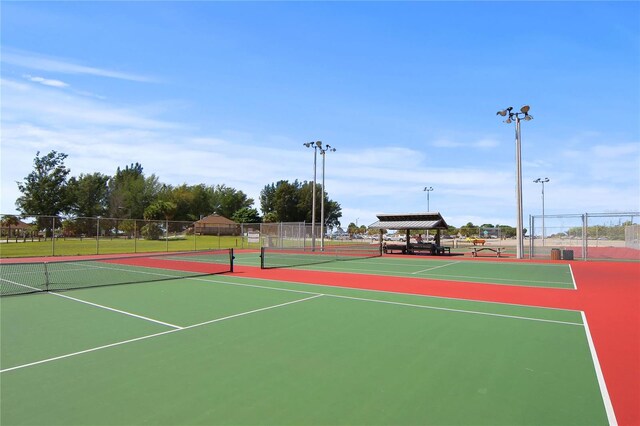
(586, 236)
(26, 236)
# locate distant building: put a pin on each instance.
(215, 224)
(19, 230)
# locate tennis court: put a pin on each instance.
(242, 348)
(438, 267)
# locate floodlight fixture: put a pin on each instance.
(524, 109)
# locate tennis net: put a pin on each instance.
(22, 278)
(288, 257)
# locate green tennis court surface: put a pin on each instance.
(441, 268)
(230, 350)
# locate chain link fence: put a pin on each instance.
(27, 236)
(585, 236)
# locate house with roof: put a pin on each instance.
(215, 224)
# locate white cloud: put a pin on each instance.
(39, 62)
(29, 103)
(483, 143)
(46, 81)
(100, 136)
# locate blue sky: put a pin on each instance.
(407, 92)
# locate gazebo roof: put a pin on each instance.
(429, 220)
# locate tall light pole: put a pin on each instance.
(315, 145)
(428, 189)
(323, 152)
(542, 181)
(511, 117)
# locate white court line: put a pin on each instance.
(608, 406)
(21, 285)
(97, 305)
(111, 345)
(370, 291)
(402, 303)
(436, 267)
(118, 311)
(455, 310)
(573, 278)
(461, 278)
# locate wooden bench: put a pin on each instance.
(478, 241)
(496, 250)
(416, 248)
(390, 248)
(442, 249)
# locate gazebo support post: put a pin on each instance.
(408, 239)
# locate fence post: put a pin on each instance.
(585, 236)
(53, 236)
(46, 277)
(98, 236)
(531, 239)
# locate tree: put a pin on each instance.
(151, 231)
(201, 200)
(8, 221)
(292, 202)
(182, 198)
(352, 228)
(130, 192)
(469, 230)
(332, 214)
(507, 231)
(226, 201)
(44, 190)
(246, 215)
(160, 210)
(89, 195)
(280, 202)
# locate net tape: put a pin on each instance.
(22, 278)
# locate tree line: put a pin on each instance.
(49, 190)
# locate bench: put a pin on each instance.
(441, 249)
(431, 248)
(390, 248)
(496, 250)
(478, 241)
(416, 248)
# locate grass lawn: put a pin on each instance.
(88, 246)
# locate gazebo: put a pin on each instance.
(411, 221)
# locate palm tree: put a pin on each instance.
(8, 221)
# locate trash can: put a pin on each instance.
(567, 254)
(555, 254)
